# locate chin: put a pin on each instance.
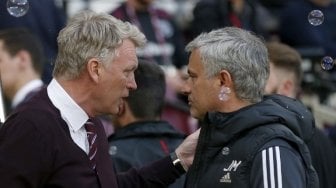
(114, 111)
(195, 114)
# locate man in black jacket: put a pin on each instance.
(141, 136)
(246, 140)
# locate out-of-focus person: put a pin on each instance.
(44, 19)
(246, 14)
(165, 46)
(285, 79)
(140, 135)
(21, 65)
(165, 42)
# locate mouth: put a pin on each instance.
(189, 102)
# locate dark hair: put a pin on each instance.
(147, 101)
(16, 39)
(287, 58)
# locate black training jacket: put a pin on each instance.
(258, 146)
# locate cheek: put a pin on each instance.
(198, 109)
(7, 78)
(199, 96)
(117, 89)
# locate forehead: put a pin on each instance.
(127, 54)
(127, 48)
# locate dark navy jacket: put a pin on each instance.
(255, 147)
(143, 142)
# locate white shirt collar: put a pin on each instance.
(23, 91)
(71, 112)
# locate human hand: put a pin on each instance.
(186, 150)
(175, 78)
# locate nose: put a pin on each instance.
(131, 84)
(185, 90)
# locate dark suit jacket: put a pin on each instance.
(36, 150)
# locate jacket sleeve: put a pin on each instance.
(23, 155)
(277, 166)
(158, 174)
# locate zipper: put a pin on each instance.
(202, 143)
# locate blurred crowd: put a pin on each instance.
(170, 24)
(277, 20)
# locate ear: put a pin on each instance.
(287, 88)
(122, 108)
(225, 78)
(94, 69)
(125, 116)
(24, 59)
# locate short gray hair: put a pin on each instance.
(241, 53)
(91, 35)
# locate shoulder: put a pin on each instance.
(37, 113)
(278, 164)
(267, 136)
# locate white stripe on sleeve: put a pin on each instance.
(278, 159)
(264, 168)
(270, 163)
(271, 166)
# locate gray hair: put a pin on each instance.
(241, 53)
(91, 35)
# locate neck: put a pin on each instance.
(127, 118)
(79, 90)
(22, 81)
(233, 105)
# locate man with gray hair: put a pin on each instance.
(246, 140)
(55, 139)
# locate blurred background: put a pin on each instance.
(274, 20)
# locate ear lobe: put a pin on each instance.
(287, 88)
(94, 69)
(24, 59)
(122, 108)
